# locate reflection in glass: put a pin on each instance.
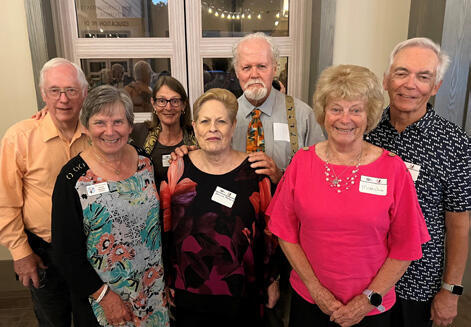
(136, 76)
(218, 72)
(235, 18)
(122, 18)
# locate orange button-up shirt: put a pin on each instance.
(32, 153)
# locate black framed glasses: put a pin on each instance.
(55, 92)
(162, 102)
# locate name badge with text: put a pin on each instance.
(280, 132)
(414, 170)
(96, 189)
(224, 197)
(373, 185)
(165, 160)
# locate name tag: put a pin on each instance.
(224, 197)
(165, 160)
(373, 185)
(280, 132)
(414, 170)
(97, 189)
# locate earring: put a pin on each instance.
(89, 141)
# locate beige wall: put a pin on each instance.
(367, 30)
(17, 94)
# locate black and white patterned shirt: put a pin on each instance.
(442, 150)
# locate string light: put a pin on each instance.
(222, 15)
(210, 10)
(278, 15)
(276, 23)
(249, 16)
(238, 16)
(259, 16)
(216, 14)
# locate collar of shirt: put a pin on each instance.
(423, 123)
(266, 107)
(49, 131)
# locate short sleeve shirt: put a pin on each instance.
(440, 152)
(348, 235)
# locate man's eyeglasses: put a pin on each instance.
(55, 92)
(162, 102)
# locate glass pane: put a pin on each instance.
(122, 18)
(234, 18)
(121, 73)
(218, 72)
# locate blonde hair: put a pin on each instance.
(349, 82)
(224, 96)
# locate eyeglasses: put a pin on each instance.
(55, 92)
(162, 102)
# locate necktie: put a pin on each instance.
(255, 138)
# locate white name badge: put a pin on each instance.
(97, 189)
(373, 185)
(224, 197)
(280, 132)
(165, 160)
(414, 170)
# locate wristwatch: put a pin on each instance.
(455, 289)
(375, 299)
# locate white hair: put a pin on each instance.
(423, 42)
(275, 53)
(55, 62)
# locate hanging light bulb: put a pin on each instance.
(210, 11)
(243, 15)
(249, 16)
(216, 14)
(238, 16)
(276, 23)
(229, 16)
(233, 16)
(278, 15)
(222, 15)
(259, 16)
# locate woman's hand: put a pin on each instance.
(273, 292)
(40, 114)
(169, 296)
(325, 300)
(181, 151)
(353, 312)
(116, 311)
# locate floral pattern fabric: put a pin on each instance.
(123, 240)
(216, 249)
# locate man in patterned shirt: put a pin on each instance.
(437, 154)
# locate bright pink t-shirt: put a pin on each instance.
(347, 236)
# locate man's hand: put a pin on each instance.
(444, 308)
(182, 151)
(353, 312)
(273, 294)
(265, 165)
(27, 269)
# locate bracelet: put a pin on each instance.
(102, 294)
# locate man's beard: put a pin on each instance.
(257, 93)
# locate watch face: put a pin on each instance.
(458, 290)
(376, 299)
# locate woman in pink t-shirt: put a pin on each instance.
(346, 212)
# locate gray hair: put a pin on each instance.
(100, 100)
(423, 42)
(142, 71)
(55, 62)
(275, 53)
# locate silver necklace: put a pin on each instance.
(334, 180)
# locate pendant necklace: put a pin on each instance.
(334, 180)
(107, 163)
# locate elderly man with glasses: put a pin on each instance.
(32, 152)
